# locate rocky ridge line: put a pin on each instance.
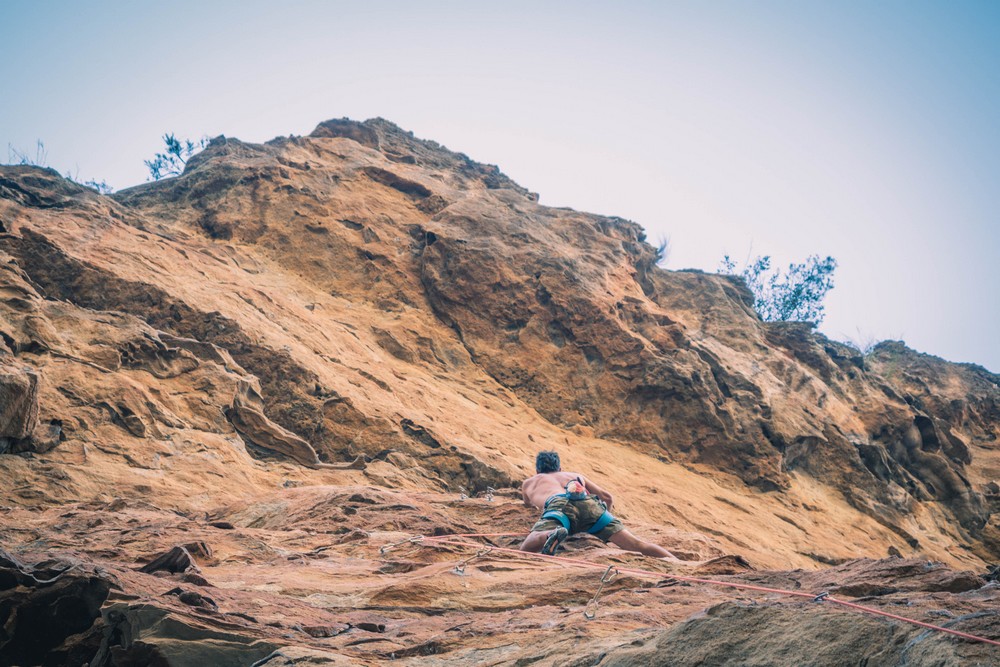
(198, 361)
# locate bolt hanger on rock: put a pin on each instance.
(386, 548)
(460, 568)
(590, 611)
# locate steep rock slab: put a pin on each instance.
(304, 568)
(271, 251)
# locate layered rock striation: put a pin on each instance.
(361, 309)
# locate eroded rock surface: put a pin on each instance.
(310, 576)
(299, 351)
(18, 406)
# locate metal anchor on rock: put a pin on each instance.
(590, 611)
(388, 547)
(460, 568)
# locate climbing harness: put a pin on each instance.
(598, 526)
(575, 492)
(460, 568)
(590, 611)
(821, 597)
(601, 523)
(558, 516)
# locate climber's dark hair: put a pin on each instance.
(547, 462)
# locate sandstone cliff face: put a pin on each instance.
(284, 315)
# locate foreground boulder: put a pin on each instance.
(48, 612)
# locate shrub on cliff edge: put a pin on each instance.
(171, 162)
(793, 296)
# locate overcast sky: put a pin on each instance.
(869, 131)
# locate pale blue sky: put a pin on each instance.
(867, 131)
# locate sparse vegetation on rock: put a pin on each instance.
(175, 155)
(792, 296)
(40, 159)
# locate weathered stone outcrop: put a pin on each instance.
(299, 351)
(300, 578)
(18, 405)
(247, 416)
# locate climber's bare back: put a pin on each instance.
(536, 490)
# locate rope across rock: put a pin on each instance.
(464, 540)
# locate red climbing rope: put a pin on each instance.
(450, 535)
(824, 597)
(929, 626)
(585, 563)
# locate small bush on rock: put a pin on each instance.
(171, 162)
(793, 296)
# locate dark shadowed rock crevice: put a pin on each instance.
(49, 612)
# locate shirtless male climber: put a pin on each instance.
(571, 504)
